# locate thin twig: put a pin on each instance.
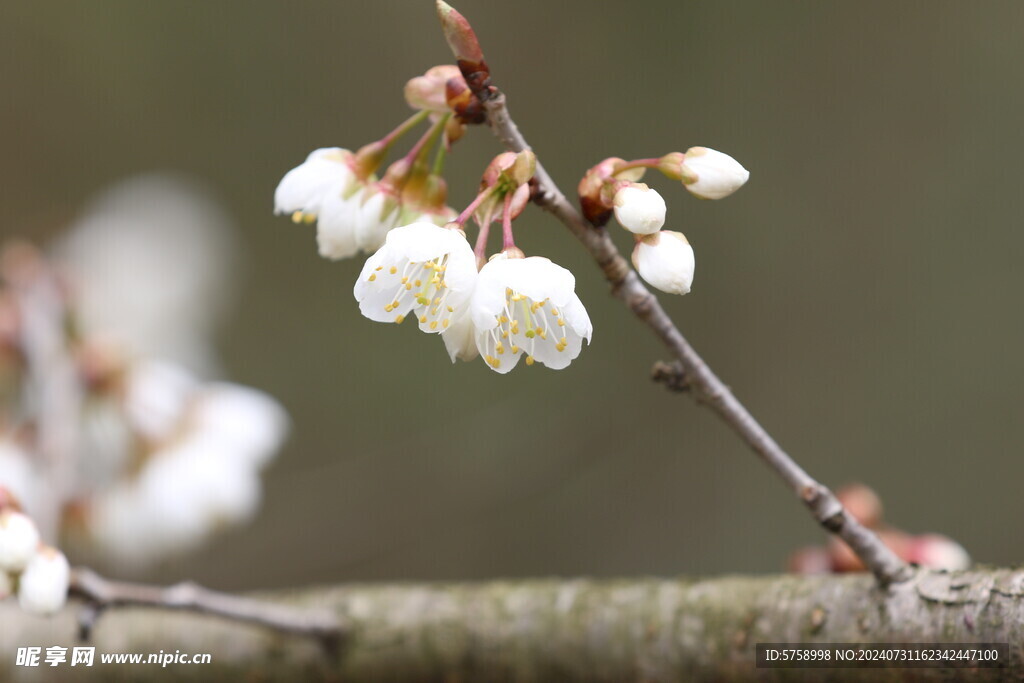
(101, 594)
(705, 385)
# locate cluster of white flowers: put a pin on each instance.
(162, 457)
(509, 306)
(513, 308)
(664, 258)
(204, 445)
(352, 213)
(37, 573)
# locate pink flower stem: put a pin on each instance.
(506, 224)
(473, 205)
(638, 163)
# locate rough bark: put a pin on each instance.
(563, 630)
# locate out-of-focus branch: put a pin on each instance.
(569, 630)
(626, 285)
(53, 394)
(101, 594)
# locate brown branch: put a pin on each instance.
(100, 594)
(569, 630)
(704, 383)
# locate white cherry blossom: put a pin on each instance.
(302, 190)
(422, 268)
(528, 308)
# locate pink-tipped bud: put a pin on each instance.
(938, 552)
(845, 560)
(497, 170)
(429, 91)
(592, 191)
(810, 560)
(862, 503)
(459, 34)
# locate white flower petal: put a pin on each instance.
(422, 268)
(304, 187)
(460, 339)
(527, 308)
(336, 226)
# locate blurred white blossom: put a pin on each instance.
(43, 586)
(151, 261)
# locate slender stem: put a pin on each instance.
(709, 389)
(638, 163)
(480, 250)
(101, 594)
(403, 128)
(442, 155)
(53, 385)
(426, 142)
(473, 205)
(508, 242)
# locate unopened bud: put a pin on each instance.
(862, 503)
(845, 560)
(639, 209)
(43, 586)
(938, 552)
(369, 158)
(497, 169)
(454, 129)
(18, 540)
(711, 175)
(523, 168)
(429, 91)
(6, 585)
(665, 260)
(810, 560)
(459, 34)
(592, 191)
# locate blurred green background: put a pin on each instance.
(860, 294)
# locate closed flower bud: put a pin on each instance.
(938, 552)
(43, 586)
(18, 540)
(665, 260)
(6, 585)
(639, 209)
(712, 175)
